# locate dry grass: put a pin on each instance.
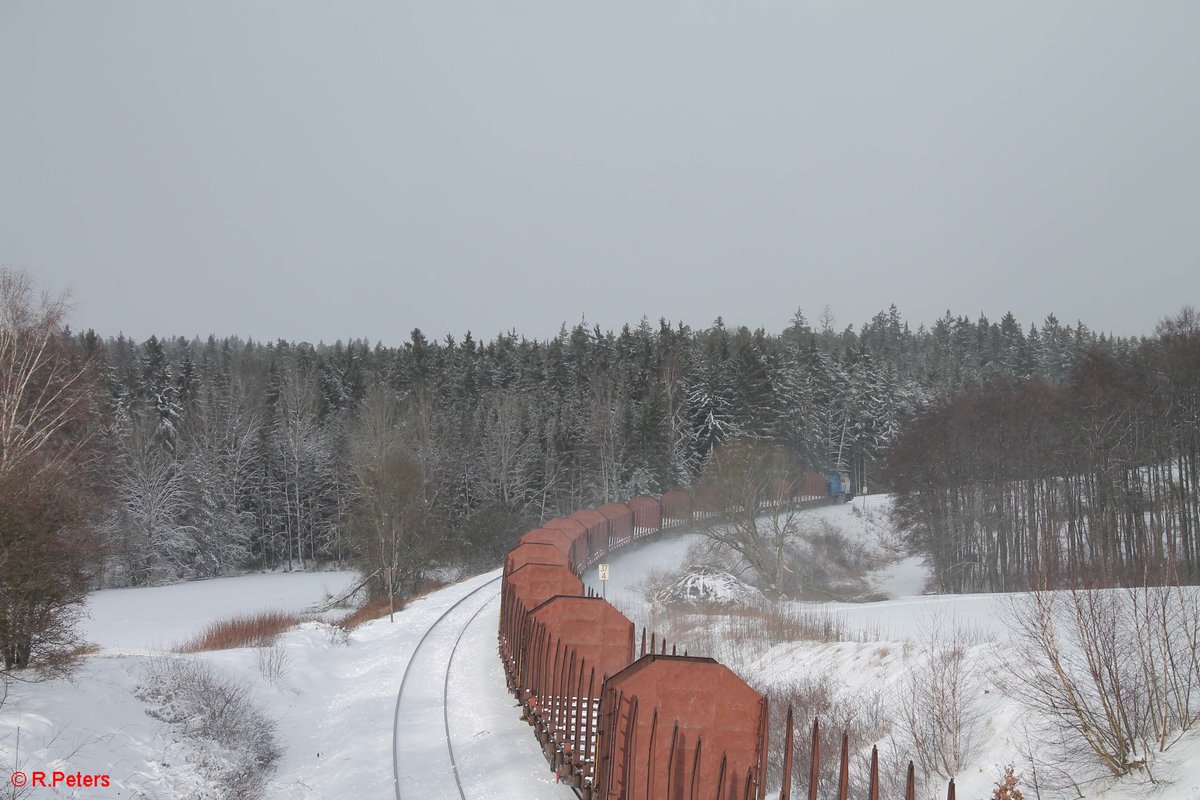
(372, 609)
(380, 607)
(426, 586)
(775, 624)
(738, 636)
(244, 630)
(764, 626)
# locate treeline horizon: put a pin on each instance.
(230, 454)
(825, 325)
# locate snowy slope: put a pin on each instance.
(334, 701)
(881, 645)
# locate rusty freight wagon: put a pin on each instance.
(681, 728)
(661, 727)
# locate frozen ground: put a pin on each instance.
(335, 699)
(882, 645)
(158, 618)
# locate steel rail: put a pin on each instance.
(408, 671)
(446, 696)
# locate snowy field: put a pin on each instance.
(882, 644)
(334, 700)
(333, 697)
(158, 618)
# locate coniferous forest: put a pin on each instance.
(1019, 455)
(229, 454)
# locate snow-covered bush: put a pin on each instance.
(706, 586)
(213, 718)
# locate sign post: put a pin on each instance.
(604, 581)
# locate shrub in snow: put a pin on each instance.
(862, 714)
(824, 563)
(1006, 786)
(273, 662)
(705, 586)
(1114, 672)
(212, 717)
(941, 700)
(335, 634)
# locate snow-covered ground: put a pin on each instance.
(454, 691)
(158, 618)
(334, 698)
(882, 643)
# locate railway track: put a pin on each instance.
(422, 755)
(446, 696)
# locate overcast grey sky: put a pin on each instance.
(316, 171)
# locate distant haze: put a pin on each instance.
(316, 170)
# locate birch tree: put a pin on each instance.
(47, 421)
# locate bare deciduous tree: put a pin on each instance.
(46, 433)
(395, 513)
(941, 702)
(1115, 671)
(41, 385)
(755, 513)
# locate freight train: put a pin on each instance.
(618, 715)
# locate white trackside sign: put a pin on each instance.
(604, 572)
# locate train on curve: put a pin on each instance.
(620, 716)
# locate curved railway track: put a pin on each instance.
(446, 696)
(463, 612)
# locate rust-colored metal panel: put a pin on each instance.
(513, 630)
(686, 698)
(620, 524)
(781, 490)
(597, 531)
(647, 515)
(709, 500)
(591, 640)
(535, 553)
(676, 507)
(574, 529)
(548, 536)
(534, 584)
(814, 486)
(600, 635)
